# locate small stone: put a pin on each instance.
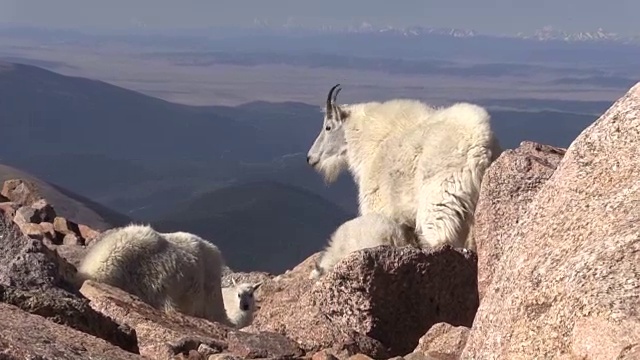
(195, 355)
(87, 233)
(443, 340)
(8, 209)
(206, 350)
(44, 211)
(33, 231)
(25, 215)
(224, 356)
(420, 356)
(72, 253)
(323, 355)
(71, 239)
(262, 345)
(49, 233)
(359, 357)
(65, 226)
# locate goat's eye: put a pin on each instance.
(328, 128)
(239, 296)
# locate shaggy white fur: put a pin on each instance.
(421, 166)
(172, 271)
(240, 303)
(359, 233)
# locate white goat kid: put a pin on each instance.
(421, 166)
(240, 303)
(365, 231)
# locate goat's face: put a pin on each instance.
(328, 154)
(246, 300)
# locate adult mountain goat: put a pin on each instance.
(422, 166)
(171, 271)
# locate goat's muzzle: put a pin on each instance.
(311, 161)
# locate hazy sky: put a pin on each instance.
(505, 16)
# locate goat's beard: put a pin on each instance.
(330, 168)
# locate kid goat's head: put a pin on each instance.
(246, 299)
(328, 154)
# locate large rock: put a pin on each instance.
(26, 336)
(160, 335)
(165, 335)
(395, 295)
(508, 187)
(72, 311)
(37, 280)
(28, 264)
(286, 308)
(574, 259)
(20, 191)
(383, 294)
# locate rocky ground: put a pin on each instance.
(556, 276)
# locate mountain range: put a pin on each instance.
(546, 33)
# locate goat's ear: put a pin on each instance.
(343, 114)
(257, 285)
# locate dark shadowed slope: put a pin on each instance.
(546, 127)
(72, 206)
(259, 225)
(49, 109)
(138, 154)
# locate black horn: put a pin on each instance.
(331, 99)
(335, 95)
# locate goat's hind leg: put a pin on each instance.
(444, 212)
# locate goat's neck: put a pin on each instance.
(364, 135)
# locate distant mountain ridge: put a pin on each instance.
(546, 33)
(543, 34)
